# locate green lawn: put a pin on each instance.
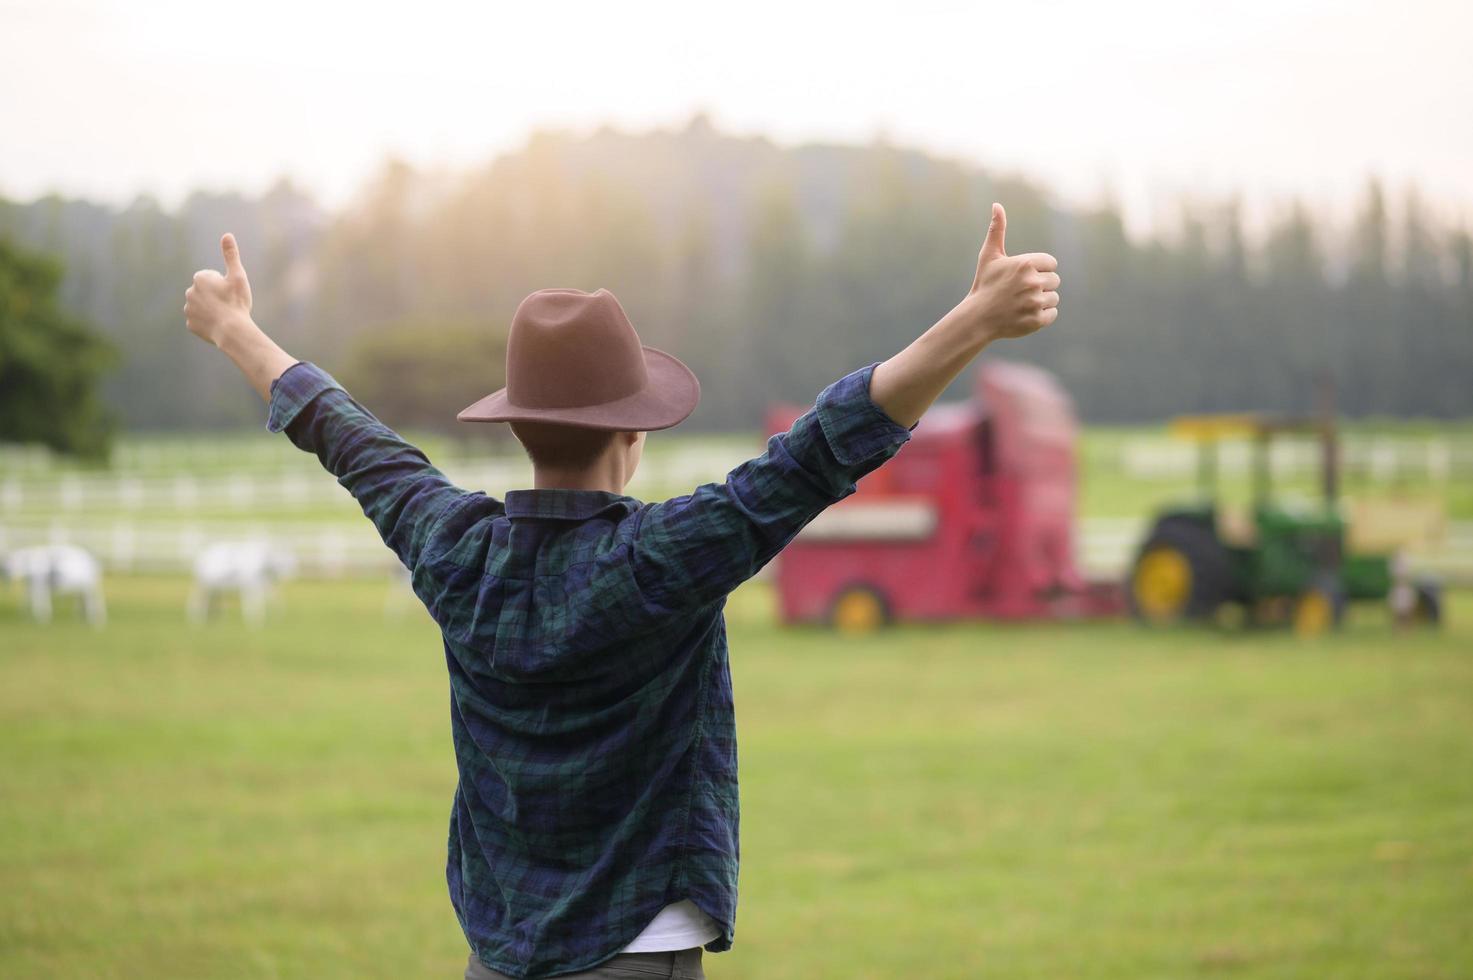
(1051, 802)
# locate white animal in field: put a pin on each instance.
(248, 569)
(51, 570)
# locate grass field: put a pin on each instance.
(1055, 801)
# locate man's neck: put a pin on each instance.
(593, 479)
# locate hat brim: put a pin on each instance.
(668, 397)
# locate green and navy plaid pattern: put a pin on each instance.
(590, 695)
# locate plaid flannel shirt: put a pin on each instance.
(590, 694)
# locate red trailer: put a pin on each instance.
(974, 518)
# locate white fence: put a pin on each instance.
(1381, 459)
(202, 478)
(141, 521)
(338, 548)
(131, 492)
(329, 549)
(163, 504)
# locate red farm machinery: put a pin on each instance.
(974, 518)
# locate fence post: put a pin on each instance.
(331, 555)
(70, 492)
(186, 491)
(1439, 461)
(124, 546)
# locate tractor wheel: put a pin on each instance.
(859, 610)
(1319, 608)
(1181, 573)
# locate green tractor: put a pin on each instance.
(1279, 564)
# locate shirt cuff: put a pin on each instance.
(856, 428)
(294, 391)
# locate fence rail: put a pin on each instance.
(347, 548)
(292, 489)
(200, 477)
(1382, 459)
(162, 504)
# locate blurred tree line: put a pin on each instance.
(50, 362)
(770, 270)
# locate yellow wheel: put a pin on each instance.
(1162, 584)
(1317, 611)
(858, 610)
(1313, 615)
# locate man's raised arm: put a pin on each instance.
(1011, 296)
(694, 549)
(392, 481)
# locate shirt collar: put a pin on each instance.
(571, 505)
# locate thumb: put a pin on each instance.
(231, 251)
(993, 248)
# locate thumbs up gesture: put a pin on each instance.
(1011, 295)
(217, 307)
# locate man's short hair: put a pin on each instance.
(561, 446)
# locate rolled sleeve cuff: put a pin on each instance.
(294, 391)
(856, 428)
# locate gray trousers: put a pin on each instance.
(684, 964)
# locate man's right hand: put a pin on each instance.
(1011, 295)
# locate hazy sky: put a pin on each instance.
(1148, 99)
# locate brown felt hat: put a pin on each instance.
(573, 358)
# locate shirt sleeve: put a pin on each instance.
(693, 550)
(393, 482)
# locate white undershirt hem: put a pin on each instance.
(679, 926)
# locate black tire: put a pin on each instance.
(1210, 573)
